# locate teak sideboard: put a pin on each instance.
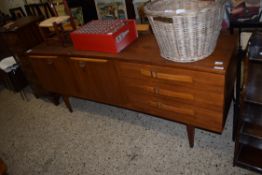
(196, 94)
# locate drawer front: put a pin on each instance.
(172, 76)
(201, 98)
(191, 97)
(177, 111)
(140, 71)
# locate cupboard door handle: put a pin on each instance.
(43, 57)
(82, 64)
(94, 60)
(49, 62)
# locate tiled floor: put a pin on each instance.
(37, 137)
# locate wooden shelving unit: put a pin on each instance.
(249, 157)
(248, 143)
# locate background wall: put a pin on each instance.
(88, 6)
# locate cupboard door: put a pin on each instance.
(96, 79)
(54, 74)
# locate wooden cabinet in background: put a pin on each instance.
(23, 35)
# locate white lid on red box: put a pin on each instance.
(101, 27)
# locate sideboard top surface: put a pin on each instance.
(146, 50)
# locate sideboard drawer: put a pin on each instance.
(141, 71)
(182, 112)
(190, 95)
(173, 76)
(177, 93)
(155, 105)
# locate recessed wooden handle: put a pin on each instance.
(145, 72)
(144, 88)
(165, 76)
(147, 88)
(175, 94)
(179, 110)
(49, 62)
(154, 104)
(179, 78)
(175, 109)
(94, 60)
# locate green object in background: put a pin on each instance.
(77, 13)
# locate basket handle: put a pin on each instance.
(163, 19)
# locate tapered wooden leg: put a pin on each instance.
(23, 95)
(67, 103)
(3, 167)
(191, 135)
(54, 98)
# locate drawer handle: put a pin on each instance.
(175, 94)
(147, 73)
(162, 106)
(164, 76)
(147, 88)
(180, 78)
(144, 88)
(46, 57)
(94, 60)
(186, 111)
(154, 104)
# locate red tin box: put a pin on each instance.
(105, 35)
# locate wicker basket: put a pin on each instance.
(185, 30)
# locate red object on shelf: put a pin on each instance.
(105, 35)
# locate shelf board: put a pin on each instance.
(254, 84)
(252, 130)
(252, 113)
(252, 141)
(258, 59)
(255, 53)
(249, 157)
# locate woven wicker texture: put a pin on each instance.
(185, 30)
